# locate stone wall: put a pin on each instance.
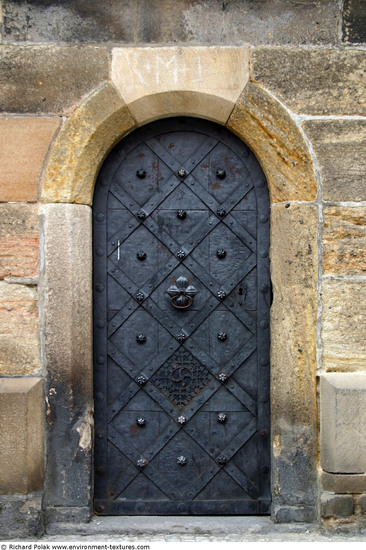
(300, 95)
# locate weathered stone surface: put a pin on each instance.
(340, 148)
(60, 514)
(278, 144)
(49, 79)
(147, 21)
(354, 21)
(338, 506)
(67, 351)
(344, 240)
(82, 144)
(19, 338)
(21, 516)
(344, 320)
(24, 145)
(313, 81)
(342, 417)
(293, 358)
(343, 483)
(18, 240)
(291, 514)
(362, 504)
(198, 81)
(21, 435)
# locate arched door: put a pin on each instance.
(181, 324)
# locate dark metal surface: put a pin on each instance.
(181, 330)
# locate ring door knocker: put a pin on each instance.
(181, 293)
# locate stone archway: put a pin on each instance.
(66, 285)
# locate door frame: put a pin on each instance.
(76, 155)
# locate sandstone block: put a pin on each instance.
(343, 483)
(172, 21)
(340, 148)
(67, 336)
(19, 337)
(338, 506)
(21, 450)
(362, 504)
(342, 421)
(82, 144)
(24, 145)
(293, 357)
(313, 81)
(344, 240)
(169, 81)
(18, 240)
(354, 21)
(49, 79)
(272, 134)
(344, 321)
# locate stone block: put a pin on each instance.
(343, 483)
(24, 145)
(19, 336)
(342, 421)
(354, 21)
(340, 148)
(313, 81)
(19, 240)
(362, 504)
(344, 321)
(293, 342)
(294, 514)
(261, 122)
(49, 79)
(338, 506)
(67, 352)
(172, 21)
(168, 81)
(21, 450)
(344, 240)
(82, 144)
(21, 516)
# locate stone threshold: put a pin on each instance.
(153, 526)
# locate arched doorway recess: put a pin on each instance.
(76, 156)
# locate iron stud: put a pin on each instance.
(141, 338)
(141, 421)
(141, 174)
(141, 255)
(182, 173)
(221, 174)
(181, 254)
(222, 376)
(221, 212)
(181, 420)
(141, 215)
(181, 337)
(222, 336)
(141, 463)
(181, 214)
(141, 380)
(221, 417)
(222, 460)
(181, 460)
(221, 253)
(221, 294)
(140, 296)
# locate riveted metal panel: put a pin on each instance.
(181, 324)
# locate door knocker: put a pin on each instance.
(181, 293)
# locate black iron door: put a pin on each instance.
(181, 324)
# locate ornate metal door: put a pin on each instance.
(181, 330)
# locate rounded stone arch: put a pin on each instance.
(104, 118)
(75, 158)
